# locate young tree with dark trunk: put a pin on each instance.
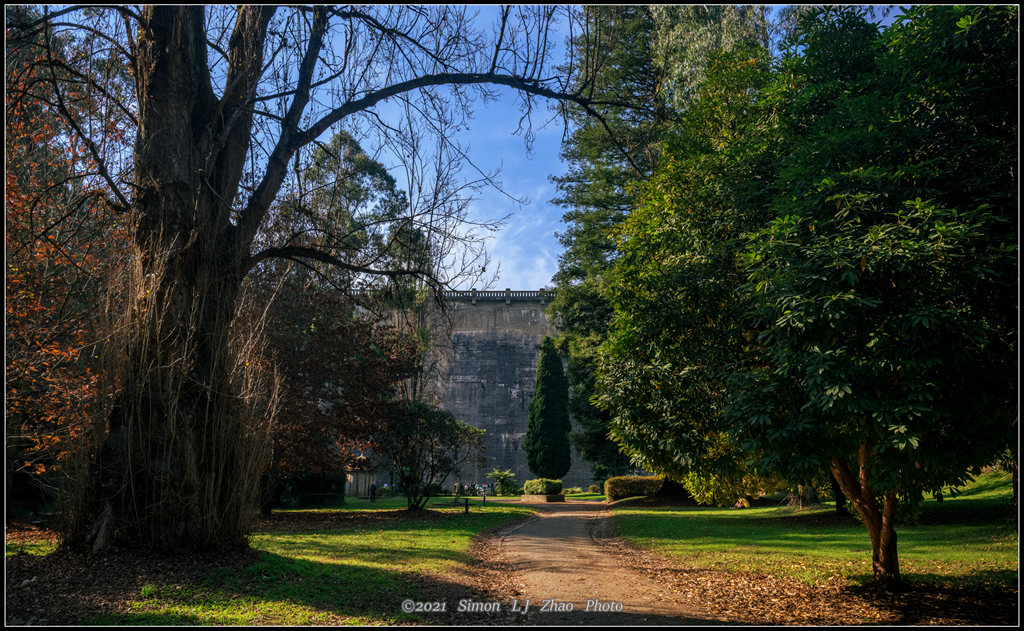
(422, 445)
(223, 102)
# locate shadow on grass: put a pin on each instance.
(988, 601)
(278, 589)
(967, 510)
(325, 572)
(145, 619)
(978, 580)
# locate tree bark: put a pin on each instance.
(840, 497)
(171, 470)
(880, 521)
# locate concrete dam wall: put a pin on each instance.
(491, 369)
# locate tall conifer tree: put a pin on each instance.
(547, 431)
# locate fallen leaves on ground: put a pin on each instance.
(66, 587)
(746, 597)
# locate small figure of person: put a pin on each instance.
(373, 491)
(457, 489)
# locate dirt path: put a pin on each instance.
(560, 565)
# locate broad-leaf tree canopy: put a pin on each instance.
(820, 273)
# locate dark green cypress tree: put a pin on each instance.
(547, 432)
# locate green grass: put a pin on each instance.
(967, 540)
(354, 504)
(34, 547)
(346, 575)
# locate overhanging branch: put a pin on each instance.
(298, 253)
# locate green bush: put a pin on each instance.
(542, 486)
(573, 490)
(505, 481)
(433, 490)
(593, 488)
(631, 486)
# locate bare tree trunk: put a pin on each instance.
(879, 521)
(172, 470)
(840, 497)
(176, 464)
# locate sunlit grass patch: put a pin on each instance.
(36, 547)
(965, 540)
(354, 574)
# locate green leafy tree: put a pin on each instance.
(547, 431)
(603, 160)
(506, 480)
(679, 325)
(885, 284)
(657, 59)
(422, 445)
(820, 275)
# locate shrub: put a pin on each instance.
(542, 486)
(573, 490)
(433, 490)
(631, 486)
(504, 480)
(593, 488)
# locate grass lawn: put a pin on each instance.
(312, 572)
(32, 546)
(968, 540)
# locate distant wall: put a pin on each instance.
(491, 371)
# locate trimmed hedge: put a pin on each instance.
(631, 486)
(593, 488)
(542, 486)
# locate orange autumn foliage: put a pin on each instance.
(60, 239)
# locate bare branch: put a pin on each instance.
(297, 253)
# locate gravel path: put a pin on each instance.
(560, 565)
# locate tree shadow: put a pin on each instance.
(273, 589)
(986, 598)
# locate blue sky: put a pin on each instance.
(526, 249)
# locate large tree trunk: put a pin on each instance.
(880, 521)
(173, 469)
(176, 469)
(837, 493)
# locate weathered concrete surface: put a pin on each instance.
(490, 377)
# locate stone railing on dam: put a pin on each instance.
(508, 295)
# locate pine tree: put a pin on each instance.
(547, 431)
